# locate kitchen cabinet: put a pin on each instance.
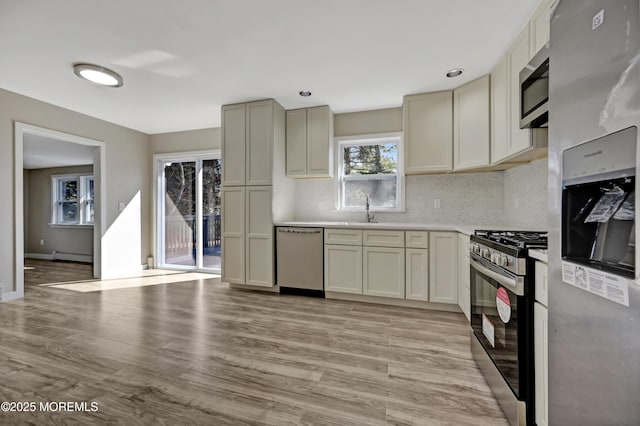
(247, 236)
(310, 142)
(443, 267)
(428, 132)
(233, 234)
(542, 283)
(255, 191)
(383, 238)
(541, 363)
(343, 236)
(383, 272)
(471, 125)
(500, 112)
(517, 58)
(464, 277)
(540, 26)
(417, 239)
(417, 274)
(343, 268)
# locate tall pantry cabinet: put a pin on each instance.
(255, 190)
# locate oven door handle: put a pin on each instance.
(515, 284)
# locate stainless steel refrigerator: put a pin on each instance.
(594, 107)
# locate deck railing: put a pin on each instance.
(180, 236)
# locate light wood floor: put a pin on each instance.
(197, 352)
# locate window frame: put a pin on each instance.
(372, 139)
(82, 200)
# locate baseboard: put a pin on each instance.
(8, 297)
(40, 256)
(273, 289)
(391, 301)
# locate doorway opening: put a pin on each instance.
(188, 211)
(59, 206)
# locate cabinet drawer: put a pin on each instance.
(347, 237)
(542, 283)
(417, 239)
(383, 238)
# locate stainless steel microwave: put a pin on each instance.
(534, 91)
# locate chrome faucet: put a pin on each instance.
(370, 215)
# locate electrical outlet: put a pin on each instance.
(121, 205)
(598, 19)
(436, 203)
(41, 242)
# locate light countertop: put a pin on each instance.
(463, 229)
(539, 254)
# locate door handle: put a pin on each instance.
(515, 284)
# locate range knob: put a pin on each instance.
(504, 261)
(486, 253)
(495, 258)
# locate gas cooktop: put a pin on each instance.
(515, 239)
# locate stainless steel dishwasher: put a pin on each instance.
(299, 258)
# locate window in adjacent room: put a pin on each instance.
(370, 167)
(72, 200)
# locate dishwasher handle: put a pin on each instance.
(300, 231)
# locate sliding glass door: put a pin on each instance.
(188, 208)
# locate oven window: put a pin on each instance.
(494, 319)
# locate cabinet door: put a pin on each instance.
(540, 26)
(542, 283)
(518, 57)
(471, 125)
(320, 142)
(464, 275)
(383, 272)
(541, 361)
(500, 113)
(233, 144)
(343, 269)
(428, 132)
(417, 270)
(296, 142)
(233, 235)
(443, 267)
(259, 151)
(259, 237)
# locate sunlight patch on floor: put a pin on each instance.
(163, 277)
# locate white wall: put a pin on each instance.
(192, 140)
(128, 171)
(528, 185)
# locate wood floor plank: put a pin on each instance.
(190, 350)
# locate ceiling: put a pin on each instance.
(182, 60)
(41, 152)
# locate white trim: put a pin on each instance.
(376, 138)
(12, 295)
(99, 166)
(40, 256)
(157, 219)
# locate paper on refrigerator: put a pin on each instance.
(605, 285)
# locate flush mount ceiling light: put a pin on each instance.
(98, 75)
(455, 72)
(305, 93)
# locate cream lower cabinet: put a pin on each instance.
(471, 125)
(464, 275)
(417, 274)
(541, 363)
(343, 268)
(247, 236)
(443, 267)
(383, 272)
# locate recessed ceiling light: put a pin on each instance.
(305, 93)
(98, 75)
(454, 72)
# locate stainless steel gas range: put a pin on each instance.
(502, 316)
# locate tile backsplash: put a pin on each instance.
(465, 199)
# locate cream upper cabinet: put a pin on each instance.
(296, 142)
(310, 142)
(443, 267)
(500, 112)
(471, 125)
(259, 143)
(540, 26)
(517, 58)
(233, 144)
(428, 132)
(383, 272)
